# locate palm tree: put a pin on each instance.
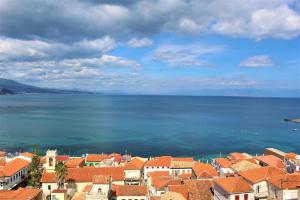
(61, 172)
(35, 170)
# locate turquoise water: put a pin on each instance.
(148, 125)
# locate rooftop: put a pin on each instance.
(233, 185)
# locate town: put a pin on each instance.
(238, 176)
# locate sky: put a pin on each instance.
(187, 47)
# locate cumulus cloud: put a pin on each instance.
(186, 55)
(137, 43)
(257, 61)
(74, 20)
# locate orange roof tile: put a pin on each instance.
(28, 154)
(223, 162)
(97, 157)
(74, 162)
(79, 196)
(237, 156)
(233, 185)
(184, 159)
(20, 194)
(87, 188)
(86, 174)
(158, 173)
(271, 160)
(117, 157)
(164, 161)
(134, 164)
(2, 153)
(181, 189)
(130, 190)
(59, 191)
(291, 155)
(163, 181)
(204, 170)
(261, 174)
(199, 189)
(288, 181)
(13, 167)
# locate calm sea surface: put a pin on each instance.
(148, 125)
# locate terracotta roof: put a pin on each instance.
(27, 154)
(261, 174)
(244, 165)
(233, 185)
(291, 155)
(117, 157)
(101, 179)
(223, 162)
(134, 164)
(74, 162)
(238, 156)
(288, 181)
(161, 182)
(87, 188)
(164, 161)
(204, 170)
(271, 160)
(171, 196)
(155, 198)
(199, 189)
(181, 189)
(20, 194)
(13, 167)
(158, 173)
(96, 157)
(183, 159)
(62, 157)
(130, 190)
(86, 174)
(59, 191)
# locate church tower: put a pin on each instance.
(51, 160)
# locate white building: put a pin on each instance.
(13, 173)
(157, 164)
(222, 165)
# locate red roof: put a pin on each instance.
(181, 189)
(101, 179)
(233, 185)
(28, 154)
(117, 157)
(289, 181)
(164, 161)
(204, 170)
(20, 194)
(223, 162)
(130, 190)
(13, 167)
(134, 164)
(97, 157)
(74, 162)
(158, 173)
(86, 174)
(62, 157)
(59, 191)
(271, 160)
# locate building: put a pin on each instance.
(59, 194)
(100, 189)
(244, 165)
(129, 192)
(181, 166)
(232, 188)
(157, 164)
(78, 178)
(21, 194)
(75, 163)
(13, 173)
(258, 179)
(292, 162)
(203, 171)
(275, 152)
(222, 165)
(134, 171)
(99, 160)
(285, 187)
(270, 160)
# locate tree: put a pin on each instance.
(61, 172)
(35, 171)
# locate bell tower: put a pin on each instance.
(51, 160)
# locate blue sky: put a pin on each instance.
(194, 47)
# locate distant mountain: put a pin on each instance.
(13, 87)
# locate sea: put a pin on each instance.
(148, 125)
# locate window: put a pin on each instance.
(237, 197)
(49, 187)
(50, 162)
(245, 196)
(257, 189)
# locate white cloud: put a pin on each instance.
(281, 22)
(189, 26)
(257, 61)
(186, 55)
(137, 43)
